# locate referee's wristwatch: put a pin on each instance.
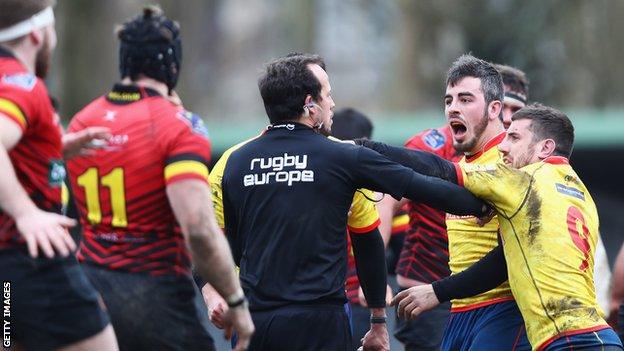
(378, 320)
(236, 300)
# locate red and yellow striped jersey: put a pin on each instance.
(37, 157)
(120, 191)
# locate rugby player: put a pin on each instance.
(548, 224)
(473, 105)
(286, 195)
(144, 196)
(516, 87)
(52, 304)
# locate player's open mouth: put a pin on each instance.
(459, 129)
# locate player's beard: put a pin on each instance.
(469, 145)
(525, 158)
(43, 59)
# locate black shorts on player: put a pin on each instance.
(52, 303)
(302, 328)
(164, 310)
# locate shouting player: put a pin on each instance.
(473, 104)
(145, 196)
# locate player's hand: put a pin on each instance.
(414, 301)
(46, 231)
(363, 299)
(481, 221)
(84, 141)
(217, 307)
(239, 319)
(376, 339)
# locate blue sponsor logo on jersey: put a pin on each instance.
(570, 191)
(24, 81)
(434, 139)
(196, 123)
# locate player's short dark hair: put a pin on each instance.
(15, 11)
(349, 123)
(514, 78)
(549, 123)
(285, 84)
(150, 45)
(469, 66)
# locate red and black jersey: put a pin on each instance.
(120, 191)
(37, 157)
(425, 256)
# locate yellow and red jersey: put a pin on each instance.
(37, 157)
(120, 191)
(549, 226)
(468, 242)
(424, 256)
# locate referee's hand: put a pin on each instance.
(46, 231)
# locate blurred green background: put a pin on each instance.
(386, 58)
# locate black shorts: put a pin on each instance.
(153, 313)
(51, 302)
(301, 328)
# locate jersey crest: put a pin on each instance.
(434, 139)
(25, 81)
(195, 122)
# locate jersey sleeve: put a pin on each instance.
(376, 172)
(500, 185)
(363, 215)
(21, 96)
(186, 147)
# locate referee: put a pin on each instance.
(286, 195)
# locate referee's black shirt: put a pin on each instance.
(286, 196)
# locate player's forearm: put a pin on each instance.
(444, 196)
(485, 275)
(422, 162)
(190, 201)
(212, 257)
(13, 198)
(370, 261)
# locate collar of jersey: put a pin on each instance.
(490, 144)
(556, 160)
(290, 126)
(129, 89)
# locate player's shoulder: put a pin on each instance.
(432, 140)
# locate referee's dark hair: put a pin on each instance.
(469, 66)
(285, 84)
(549, 123)
(349, 123)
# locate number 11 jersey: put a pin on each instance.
(120, 189)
